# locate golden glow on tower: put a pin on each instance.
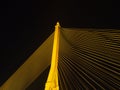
(52, 80)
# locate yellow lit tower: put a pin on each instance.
(52, 80)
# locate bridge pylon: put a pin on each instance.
(52, 80)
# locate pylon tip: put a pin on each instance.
(58, 24)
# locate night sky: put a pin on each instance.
(25, 24)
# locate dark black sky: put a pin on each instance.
(25, 24)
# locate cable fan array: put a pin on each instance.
(89, 59)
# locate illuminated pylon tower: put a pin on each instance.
(52, 80)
